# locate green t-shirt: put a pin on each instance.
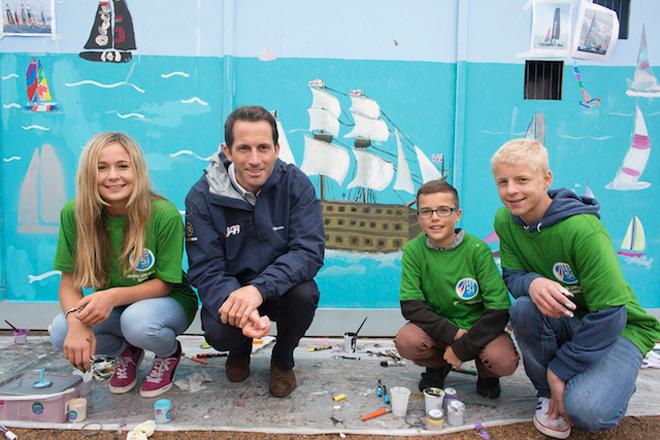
(161, 258)
(577, 252)
(459, 283)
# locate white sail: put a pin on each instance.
(589, 193)
(322, 158)
(429, 171)
(285, 149)
(320, 119)
(644, 83)
(51, 185)
(635, 239)
(28, 199)
(372, 171)
(403, 181)
(374, 129)
(365, 106)
(627, 178)
(326, 101)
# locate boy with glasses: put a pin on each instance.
(453, 297)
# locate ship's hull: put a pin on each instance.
(371, 227)
(107, 56)
(42, 107)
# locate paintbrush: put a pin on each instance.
(360, 327)
(377, 413)
(11, 325)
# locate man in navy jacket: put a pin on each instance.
(255, 241)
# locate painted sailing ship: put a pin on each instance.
(644, 84)
(285, 153)
(634, 244)
(627, 178)
(42, 193)
(39, 97)
(359, 222)
(536, 128)
(112, 38)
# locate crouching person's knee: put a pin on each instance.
(411, 343)
(591, 415)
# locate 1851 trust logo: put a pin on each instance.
(564, 273)
(467, 288)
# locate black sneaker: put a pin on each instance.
(489, 387)
(434, 377)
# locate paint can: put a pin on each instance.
(350, 342)
(163, 411)
(435, 420)
(20, 336)
(455, 412)
(76, 410)
(433, 398)
(450, 394)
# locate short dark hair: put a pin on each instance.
(437, 186)
(252, 113)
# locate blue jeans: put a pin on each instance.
(152, 324)
(595, 399)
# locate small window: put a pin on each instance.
(622, 9)
(342, 208)
(326, 221)
(368, 242)
(381, 243)
(340, 221)
(372, 224)
(397, 243)
(338, 239)
(397, 226)
(379, 210)
(362, 224)
(353, 209)
(543, 79)
(353, 222)
(330, 208)
(354, 241)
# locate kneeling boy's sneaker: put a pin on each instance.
(159, 380)
(124, 377)
(556, 428)
(434, 377)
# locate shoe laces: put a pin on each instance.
(160, 366)
(121, 366)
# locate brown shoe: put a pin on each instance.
(237, 367)
(282, 383)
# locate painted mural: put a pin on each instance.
(388, 114)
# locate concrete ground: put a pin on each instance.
(248, 407)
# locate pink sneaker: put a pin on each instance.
(159, 379)
(124, 378)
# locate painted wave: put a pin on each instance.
(104, 86)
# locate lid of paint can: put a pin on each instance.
(162, 403)
(456, 405)
(435, 414)
(450, 391)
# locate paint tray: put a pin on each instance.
(20, 401)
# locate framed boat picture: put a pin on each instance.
(596, 32)
(35, 18)
(551, 28)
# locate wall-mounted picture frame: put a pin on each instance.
(34, 18)
(596, 32)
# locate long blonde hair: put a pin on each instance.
(92, 242)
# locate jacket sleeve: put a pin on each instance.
(421, 314)
(206, 256)
(518, 281)
(593, 340)
(489, 325)
(306, 245)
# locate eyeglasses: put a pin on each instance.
(442, 211)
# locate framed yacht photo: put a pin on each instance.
(551, 28)
(596, 32)
(35, 18)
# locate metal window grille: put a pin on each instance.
(622, 9)
(543, 79)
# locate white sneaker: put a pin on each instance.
(557, 428)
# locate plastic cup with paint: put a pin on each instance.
(76, 410)
(20, 336)
(163, 411)
(455, 412)
(350, 342)
(433, 398)
(86, 384)
(399, 397)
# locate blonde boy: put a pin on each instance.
(579, 326)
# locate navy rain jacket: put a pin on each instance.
(275, 245)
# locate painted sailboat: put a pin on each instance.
(627, 178)
(42, 193)
(285, 148)
(358, 222)
(112, 38)
(536, 128)
(39, 97)
(634, 244)
(644, 84)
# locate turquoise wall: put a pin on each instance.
(447, 76)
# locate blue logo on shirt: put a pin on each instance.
(563, 273)
(467, 288)
(146, 261)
